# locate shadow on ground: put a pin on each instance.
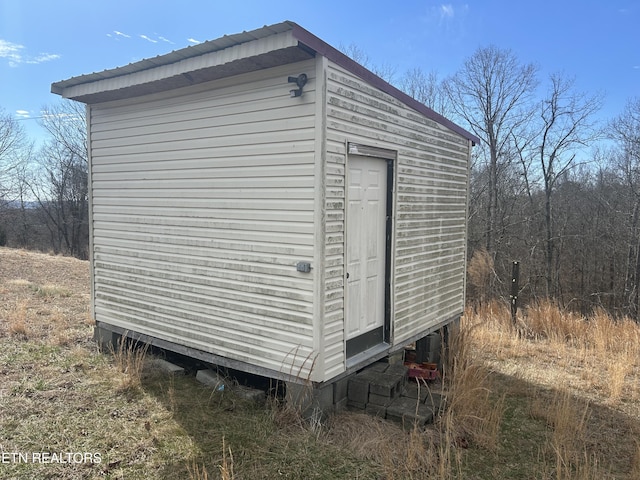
(268, 442)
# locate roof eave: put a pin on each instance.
(229, 55)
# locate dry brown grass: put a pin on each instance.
(474, 409)
(17, 320)
(130, 357)
(200, 472)
(429, 453)
(470, 418)
(480, 273)
(568, 420)
(598, 357)
(46, 297)
(635, 462)
(584, 377)
(226, 467)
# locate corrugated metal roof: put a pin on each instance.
(175, 56)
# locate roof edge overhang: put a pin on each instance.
(230, 55)
(225, 57)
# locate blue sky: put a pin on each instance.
(43, 41)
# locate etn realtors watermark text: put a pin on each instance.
(50, 457)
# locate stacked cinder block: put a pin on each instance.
(376, 387)
(409, 412)
(382, 390)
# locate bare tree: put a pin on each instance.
(22, 227)
(625, 130)
(60, 185)
(426, 88)
(491, 93)
(563, 125)
(385, 71)
(66, 124)
(12, 142)
(61, 192)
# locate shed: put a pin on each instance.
(265, 203)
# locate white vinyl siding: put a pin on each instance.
(203, 203)
(334, 266)
(429, 205)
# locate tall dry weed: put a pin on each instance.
(474, 412)
(545, 319)
(130, 358)
(611, 342)
(197, 472)
(618, 367)
(226, 467)
(635, 462)
(599, 332)
(587, 468)
(493, 331)
(480, 272)
(600, 350)
(609, 337)
(429, 453)
(17, 321)
(493, 313)
(568, 418)
(568, 457)
(602, 333)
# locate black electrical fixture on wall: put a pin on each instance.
(300, 81)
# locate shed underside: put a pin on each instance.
(107, 337)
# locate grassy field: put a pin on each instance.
(558, 398)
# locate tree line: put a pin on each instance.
(44, 190)
(552, 186)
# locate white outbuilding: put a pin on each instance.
(265, 203)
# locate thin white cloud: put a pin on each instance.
(43, 57)
(446, 19)
(15, 54)
(447, 11)
(155, 38)
(193, 40)
(23, 113)
(144, 37)
(11, 52)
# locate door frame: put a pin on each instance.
(378, 336)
